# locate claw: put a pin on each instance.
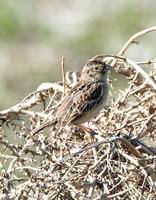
(87, 129)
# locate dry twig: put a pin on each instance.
(64, 165)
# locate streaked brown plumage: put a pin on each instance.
(85, 99)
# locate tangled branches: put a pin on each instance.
(117, 163)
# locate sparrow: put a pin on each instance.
(84, 100)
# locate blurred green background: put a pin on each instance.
(34, 35)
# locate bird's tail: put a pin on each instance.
(43, 126)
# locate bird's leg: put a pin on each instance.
(87, 129)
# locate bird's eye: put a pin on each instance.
(96, 68)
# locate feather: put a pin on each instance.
(88, 95)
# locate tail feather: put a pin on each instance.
(43, 126)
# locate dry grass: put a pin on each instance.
(115, 164)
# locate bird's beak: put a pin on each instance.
(108, 67)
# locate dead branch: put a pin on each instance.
(117, 163)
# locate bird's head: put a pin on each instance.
(96, 70)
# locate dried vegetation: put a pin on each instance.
(118, 163)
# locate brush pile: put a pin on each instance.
(117, 163)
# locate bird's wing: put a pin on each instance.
(81, 99)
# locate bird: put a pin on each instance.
(85, 100)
